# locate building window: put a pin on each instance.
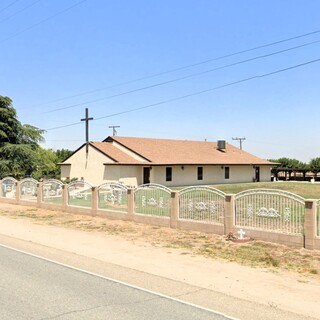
(168, 174)
(227, 172)
(200, 173)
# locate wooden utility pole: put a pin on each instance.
(240, 140)
(87, 119)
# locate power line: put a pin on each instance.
(43, 21)
(188, 66)
(19, 11)
(183, 78)
(196, 93)
(8, 6)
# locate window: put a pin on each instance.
(168, 174)
(200, 173)
(227, 172)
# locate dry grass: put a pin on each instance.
(254, 253)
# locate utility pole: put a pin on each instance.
(87, 119)
(114, 131)
(240, 140)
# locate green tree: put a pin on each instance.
(315, 166)
(18, 143)
(63, 154)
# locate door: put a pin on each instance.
(146, 175)
(257, 174)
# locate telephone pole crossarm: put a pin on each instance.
(240, 141)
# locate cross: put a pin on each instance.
(241, 234)
(87, 119)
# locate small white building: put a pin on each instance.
(137, 161)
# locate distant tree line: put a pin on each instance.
(20, 152)
(293, 165)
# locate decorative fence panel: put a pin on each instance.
(28, 189)
(202, 204)
(80, 194)
(8, 188)
(113, 196)
(318, 219)
(152, 199)
(52, 191)
(270, 210)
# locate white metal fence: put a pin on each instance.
(270, 210)
(8, 187)
(28, 189)
(153, 199)
(202, 204)
(80, 194)
(52, 191)
(113, 196)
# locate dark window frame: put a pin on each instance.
(227, 173)
(168, 173)
(200, 173)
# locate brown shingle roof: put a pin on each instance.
(170, 152)
(114, 153)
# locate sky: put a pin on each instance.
(170, 69)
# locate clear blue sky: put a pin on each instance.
(58, 57)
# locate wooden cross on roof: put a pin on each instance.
(87, 119)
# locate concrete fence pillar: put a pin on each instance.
(310, 222)
(174, 209)
(18, 188)
(95, 201)
(39, 194)
(130, 203)
(229, 214)
(64, 197)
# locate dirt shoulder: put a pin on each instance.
(272, 275)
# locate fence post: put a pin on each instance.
(310, 224)
(64, 197)
(229, 214)
(174, 209)
(39, 194)
(130, 203)
(18, 183)
(94, 201)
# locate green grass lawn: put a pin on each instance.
(306, 190)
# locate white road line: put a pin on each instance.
(120, 282)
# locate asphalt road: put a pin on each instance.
(33, 288)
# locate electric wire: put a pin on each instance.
(186, 66)
(182, 78)
(8, 6)
(21, 10)
(43, 21)
(195, 93)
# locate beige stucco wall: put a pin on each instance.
(89, 167)
(130, 175)
(92, 169)
(211, 175)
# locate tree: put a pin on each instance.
(63, 154)
(18, 143)
(315, 166)
(9, 124)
